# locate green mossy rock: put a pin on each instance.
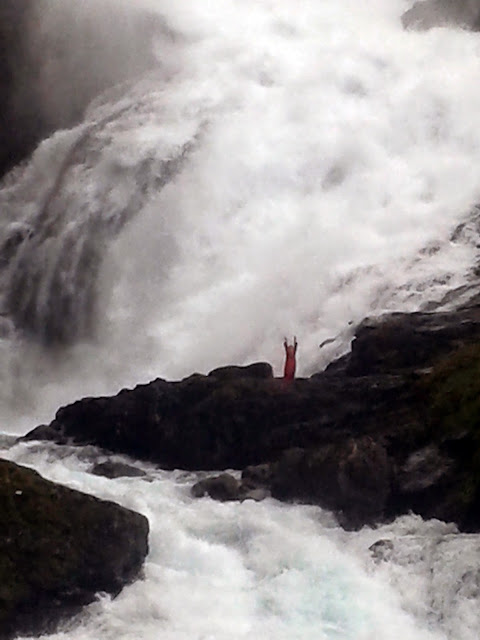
(58, 548)
(453, 391)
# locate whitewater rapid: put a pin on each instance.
(268, 571)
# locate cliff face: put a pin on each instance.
(18, 120)
(391, 427)
(55, 57)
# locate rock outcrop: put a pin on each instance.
(427, 14)
(390, 427)
(58, 548)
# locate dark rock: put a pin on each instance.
(427, 14)
(381, 550)
(392, 427)
(261, 370)
(259, 475)
(399, 341)
(427, 483)
(58, 548)
(423, 469)
(223, 487)
(45, 432)
(352, 479)
(112, 469)
(210, 423)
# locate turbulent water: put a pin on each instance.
(288, 168)
(270, 571)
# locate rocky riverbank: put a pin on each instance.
(58, 549)
(390, 427)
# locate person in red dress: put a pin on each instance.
(290, 361)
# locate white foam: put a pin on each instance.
(229, 571)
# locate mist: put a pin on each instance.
(58, 56)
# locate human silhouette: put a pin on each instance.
(290, 361)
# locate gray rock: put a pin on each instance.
(223, 487)
(112, 469)
(260, 370)
(441, 13)
(352, 479)
(381, 550)
(259, 475)
(423, 469)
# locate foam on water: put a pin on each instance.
(228, 571)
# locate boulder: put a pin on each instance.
(427, 14)
(58, 548)
(381, 550)
(261, 370)
(352, 479)
(223, 487)
(113, 469)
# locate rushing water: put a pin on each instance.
(228, 571)
(287, 169)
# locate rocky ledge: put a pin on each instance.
(58, 548)
(391, 427)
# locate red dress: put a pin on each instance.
(290, 363)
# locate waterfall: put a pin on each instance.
(276, 169)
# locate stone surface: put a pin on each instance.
(223, 487)
(381, 550)
(113, 469)
(390, 427)
(427, 14)
(351, 478)
(58, 548)
(262, 370)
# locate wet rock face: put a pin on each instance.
(114, 469)
(409, 341)
(223, 487)
(352, 478)
(390, 427)
(211, 423)
(58, 548)
(427, 14)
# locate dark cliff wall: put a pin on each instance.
(18, 126)
(55, 57)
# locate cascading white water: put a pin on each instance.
(287, 169)
(281, 171)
